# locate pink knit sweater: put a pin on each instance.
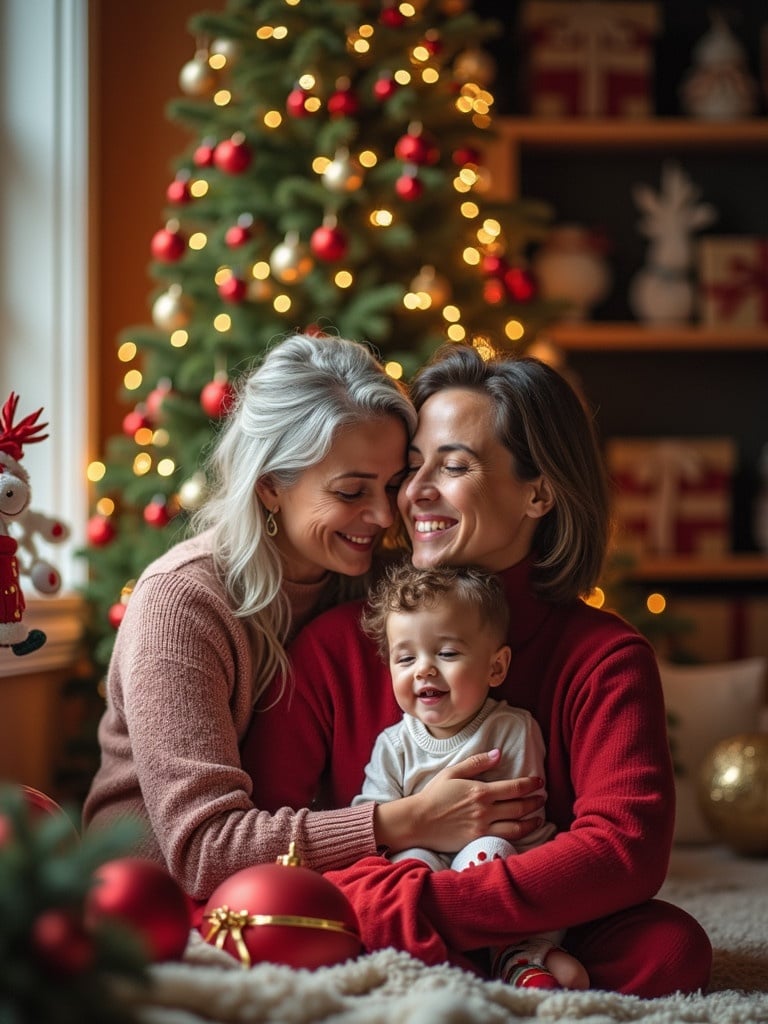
(179, 698)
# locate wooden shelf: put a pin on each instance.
(727, 568)
(617, 336)
(616, 133)
(510, 135)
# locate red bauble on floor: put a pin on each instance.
(141, 895)
(284, 914)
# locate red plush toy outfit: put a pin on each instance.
(12, 602)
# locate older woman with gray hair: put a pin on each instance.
(305, 473)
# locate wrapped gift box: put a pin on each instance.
(590, 59)
(733, 280)
(672, 495)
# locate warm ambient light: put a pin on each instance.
(656, 603)
(596, 598)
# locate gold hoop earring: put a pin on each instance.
(270, 524)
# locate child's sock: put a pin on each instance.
(482, 851)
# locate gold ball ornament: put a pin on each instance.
(733, 792)
(172, 309)
(197, 77)
(193, 492)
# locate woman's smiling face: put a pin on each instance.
(333, 516)
(462, 502)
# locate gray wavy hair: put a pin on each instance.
(285, 417)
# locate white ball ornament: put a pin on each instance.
(343, 173)
(229, 49)
(291, 260)
(172, 309)
(197, 77)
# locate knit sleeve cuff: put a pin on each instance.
(334, 839)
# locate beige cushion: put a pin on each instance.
(707, 703)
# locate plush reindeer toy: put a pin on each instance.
(18, 553)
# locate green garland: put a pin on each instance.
(54, 968)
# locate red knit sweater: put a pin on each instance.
(592, 683)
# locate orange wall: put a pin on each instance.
(138, 49)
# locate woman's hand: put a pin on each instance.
(454, 808)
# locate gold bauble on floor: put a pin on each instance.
(733, 792)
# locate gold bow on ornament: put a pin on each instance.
(226, 922)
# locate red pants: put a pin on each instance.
(649, 950)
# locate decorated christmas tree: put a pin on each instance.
(334, 181)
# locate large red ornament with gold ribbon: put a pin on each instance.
(284, 914)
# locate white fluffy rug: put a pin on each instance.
(728, 895)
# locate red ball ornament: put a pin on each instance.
(284, 914)
(154, 401)
(100, 531)
(178, 192)
(494, 291)
(315, 331)
(233, 289)
(328, 243)
(520, 284)
(343, 103)
(203, 154)
(295, 104)
(168, 245)
(384, 87)
(409, 188)
(42, 806)
(157, 514)
(40, 803)
(216, 397)
(116, 614)
(413, 148)
(432, 43)
(466, 155)
(237, 235)
(141, 895)
(134, 421)
(494, 265)
(392, 17)
(232, 155)
(61, 942)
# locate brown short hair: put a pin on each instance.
(404, 588)
(543, 423)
